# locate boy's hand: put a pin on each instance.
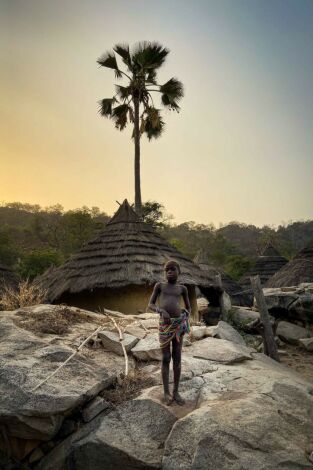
(165, 315)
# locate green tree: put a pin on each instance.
(237, 265)
(37, 261)
(133, 103)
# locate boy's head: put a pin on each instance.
(172, 270)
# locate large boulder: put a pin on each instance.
(224, 330)
(291, 333)
(302, 308)
(255, 414)
(29, 357)
(219, 350)
(306, 343)
(130, 437)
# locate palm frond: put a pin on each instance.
(105, 106)
(149, 55)
(152, 124)
(119, 116)
(109, 60)
(151, 77)
(123, 51)
(172, 91)
(123, 92)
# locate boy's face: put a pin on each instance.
(171, 273)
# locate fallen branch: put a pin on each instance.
(121, 337)
(68, 359)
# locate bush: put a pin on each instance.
(26, 295)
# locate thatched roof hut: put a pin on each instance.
(7, 277)
(232, 288)
(298, 270)
(119, 267)
(266, 266)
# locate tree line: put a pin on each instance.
(33, 238)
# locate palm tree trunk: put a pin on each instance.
(137, 157)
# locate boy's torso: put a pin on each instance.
(169, 298)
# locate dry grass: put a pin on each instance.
(128, 387)
(56, 321)
(26, 295)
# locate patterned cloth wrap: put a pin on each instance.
(173, 327)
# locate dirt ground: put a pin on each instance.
(298, 359)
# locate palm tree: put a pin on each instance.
(133, 103)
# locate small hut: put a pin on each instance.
(266, 266)
(232, 288)
(118, 269)
(7, 277)
(298, 270)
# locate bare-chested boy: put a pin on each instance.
(173, 324)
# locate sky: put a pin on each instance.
(241, 149)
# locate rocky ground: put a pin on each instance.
(243, 410)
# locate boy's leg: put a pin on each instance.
(166, 359)
(176, 354)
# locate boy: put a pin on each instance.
(173, 324)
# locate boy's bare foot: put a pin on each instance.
(167, 399)
(178, 398)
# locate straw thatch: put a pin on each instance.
(232, 288)
(127, 252)
(298, 270)
(7, 277)
(266, 266)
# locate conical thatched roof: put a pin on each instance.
(266, 266)
(127, 252)
(232, 288)
(299, 269)
(7, 277)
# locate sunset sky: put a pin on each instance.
(240, 149)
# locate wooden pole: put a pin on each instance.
(224, 313)
(270, 348)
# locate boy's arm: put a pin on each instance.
(152, 302)
(186, 299)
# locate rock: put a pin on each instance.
(219, 350)
(150, 323)
(243, 431)
(94, 407)
(302, 308)
(311, 457)
(245, 318)
(26, 359)
(224, 330)
(209, 331)
(54, 353)
(136, 331)
(306, 343)
(190, 367)
(111, 341)
(278, 300)
(198, 332)
(130, 437)
(148, 316)
(291, 333)
(229, 430)
(211, 316)
(148, 349)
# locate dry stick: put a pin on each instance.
(121, 337)
(270, 347)
(68, 359)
